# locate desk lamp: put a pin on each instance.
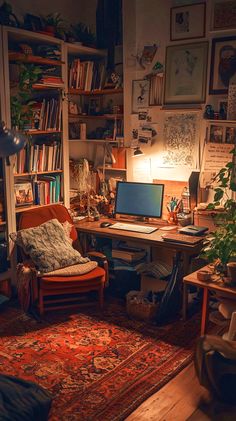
(137, 152)
(11, 142)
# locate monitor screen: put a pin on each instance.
(139, 199)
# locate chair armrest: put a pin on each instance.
(101, 259)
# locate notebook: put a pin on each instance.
(181, 238)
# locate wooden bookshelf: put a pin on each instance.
(89, 141)
(26, 208)
(83, 50)
(113, 91)
(28, 58)
(112, 169)
(40, 132)
(26, 174)
(97, 117)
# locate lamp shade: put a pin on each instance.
(11, 141)
(137, 152)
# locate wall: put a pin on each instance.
(72, 10)
(148, 22)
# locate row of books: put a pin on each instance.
(44, 191)
(38, 158)
(86, 75)
(46, 115)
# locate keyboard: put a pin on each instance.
(145, 229)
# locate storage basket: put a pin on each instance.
(138, 307)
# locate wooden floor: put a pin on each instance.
(183, 399)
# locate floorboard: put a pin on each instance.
(183, 399)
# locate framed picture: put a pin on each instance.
(23, 194)
(223, 15)
(186, 69)
(94, 106)
(187, 22)
(33, 23)
(230, 135)
(223, 58)
(216, 134)
(140, 94)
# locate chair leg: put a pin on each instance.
(101, 297)
(41, 304)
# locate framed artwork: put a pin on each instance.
(23, 194)
(94, 106)
(222, 132)
(33, 23)
(186, 69)
(140, 94)
(223, 59)
(187, 22)
(223, 15)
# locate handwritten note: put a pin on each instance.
(216, 156)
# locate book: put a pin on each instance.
(128, 255)
(23, 194)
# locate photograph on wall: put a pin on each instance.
(223, 15)
(216, 134)
(181, 138)
(186, 66)
(223, 64)
(140, 94)
(230, 135)
(23, 194)
(187, 21)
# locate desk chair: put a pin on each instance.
(51, 290)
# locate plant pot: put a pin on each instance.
(50, 30)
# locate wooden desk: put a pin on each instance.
(153, 240)
(215, 285)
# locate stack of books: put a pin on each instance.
(128, 255)
(46, 115)
(38, 158)
(86, 75)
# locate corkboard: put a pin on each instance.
(171, 188)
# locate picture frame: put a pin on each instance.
(23, 194)
(186, 71)
(33, 23)
(223, 15)
(140, 94)
(221, 132)
(188, 21)
(223, 49)
(94, 106)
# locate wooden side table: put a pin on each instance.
(215, 284)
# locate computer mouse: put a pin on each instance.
(105, 224)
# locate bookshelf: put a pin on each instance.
(43, 163)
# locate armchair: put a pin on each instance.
(56, 292)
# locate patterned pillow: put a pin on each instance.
(48, 246)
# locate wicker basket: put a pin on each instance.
(139, 309)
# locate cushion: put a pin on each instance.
(48, 246)
(79, 269)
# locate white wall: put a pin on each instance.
(148, 22)
(71, 10)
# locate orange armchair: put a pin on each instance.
(55, 292)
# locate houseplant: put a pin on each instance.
(53, 23)
(221, 244)
(84, 34)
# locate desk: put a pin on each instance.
(215, 285)
(153, 240)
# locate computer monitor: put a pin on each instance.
(139, 199)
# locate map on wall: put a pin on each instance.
(181, 139)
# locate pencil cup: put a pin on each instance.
(172, 218)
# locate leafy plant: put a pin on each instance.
(84, 34)
(53, 19)
(21, 111)
(221, 247)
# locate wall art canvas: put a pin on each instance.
(187, 22)
(186, 67)
(223, 68)
(216, 134)
(223, 15)
(181, 139)
(140, 94)
(231, 105)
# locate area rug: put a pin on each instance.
(96, 366)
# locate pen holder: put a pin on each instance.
(172, 218)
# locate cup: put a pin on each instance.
(172, 218)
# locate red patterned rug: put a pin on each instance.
(96, 366)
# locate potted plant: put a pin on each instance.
(221, 244)
(53, 23)
(84, 34)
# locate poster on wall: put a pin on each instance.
(185, 80)
(181, 140)
(187, 21)
(223, 15)
(223, 58)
